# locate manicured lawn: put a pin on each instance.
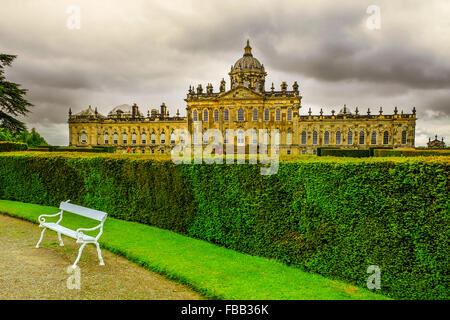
(214, 271)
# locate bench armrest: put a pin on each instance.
(80, 233)
(41, 218)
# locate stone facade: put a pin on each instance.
(246, 105)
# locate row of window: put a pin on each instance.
(241, 115)
(362, 137)
(83, 138)
(241, 138)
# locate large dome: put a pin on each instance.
(248, 62)
(124, 108)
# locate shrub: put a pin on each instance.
(12, 146)
(357, 153)
(372, 150)
(410, 153)
(94, 149)
(326, 215)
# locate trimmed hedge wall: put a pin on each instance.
(410, 153)
(356, 153)
(95, 149)
(331, 216)
(6, 146)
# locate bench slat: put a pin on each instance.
(83, 211)
(66, 231)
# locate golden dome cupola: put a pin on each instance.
(248, 72)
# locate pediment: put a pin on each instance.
(241, 93)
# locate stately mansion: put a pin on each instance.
(245, 104)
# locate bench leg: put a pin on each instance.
(79, 255)
(42, 236)
(99, 254)
(61, 243)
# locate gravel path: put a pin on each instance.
(30, 273)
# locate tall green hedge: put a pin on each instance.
(356, 153)
(94, 149)
(6, 146)
(410, 152)
(330, 216)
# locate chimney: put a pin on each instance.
(134, 111)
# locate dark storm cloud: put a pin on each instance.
(151, 51)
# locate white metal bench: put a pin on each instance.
(75, 234)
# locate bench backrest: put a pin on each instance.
(83, 211)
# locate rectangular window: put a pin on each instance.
(374, 138)
(216, 116)
(255, 115)
(404, 140)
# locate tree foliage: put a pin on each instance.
(12, 101)
(32, 139)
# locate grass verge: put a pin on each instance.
(214, 271)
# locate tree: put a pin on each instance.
(12, 101)
(32, 139)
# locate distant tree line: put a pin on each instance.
(32, 139)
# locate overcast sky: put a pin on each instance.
(149, 52)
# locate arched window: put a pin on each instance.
(194, 137)
(254, 136)
(361, 137)
(386, 137)
(124, 138)
(115, 138)
(303, 137)
(266, 138)
(226, 115)
(153, 138)
(404, 137)
(216, 115)
(205, 137)
(289, 115)
(163, 138)
(315, 137)
(106, 140)
(278, 115)
(326, 137)
(195, 115)
(133, 138)
(338, 137)
(373, 139)
(240, 138)
(266, 115)
(205, 115)
(255, 114)
(241, 114)
(225, 138)
(350, 138)
(289, 137)
(83, 137)
(143, 138)
(172, 137)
